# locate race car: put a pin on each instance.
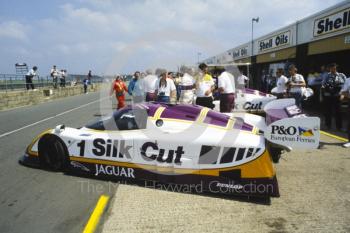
(186, 146)
(249, 100)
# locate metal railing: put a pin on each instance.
(12, 82)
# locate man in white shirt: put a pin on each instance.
(29, 78)
(149, 85)
(63, 74)
(345, 93)
(186, 85)
(242, 81)
(165, 88)
(226, 84)
(54, 75)
(281, 84)
(296, 84)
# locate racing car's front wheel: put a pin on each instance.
(53, 153)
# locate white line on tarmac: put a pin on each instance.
(48, 118)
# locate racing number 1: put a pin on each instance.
(81, 145)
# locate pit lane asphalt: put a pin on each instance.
(34, 200)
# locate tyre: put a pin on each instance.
(275, 154)
(53, 153)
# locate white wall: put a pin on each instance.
(300, 32)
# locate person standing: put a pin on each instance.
(242, 80)
(29, 78)
(89, 76)
(165, 88)
(54, 75)
(119, 87)
(204, 87)
(186, 85)
(296, 84)
(226, 84)
(281, 84)
(135, 88)
(85, 83)
(63, 78)
(345, 93)
(172, 76)
(331, 86)
(149, 85)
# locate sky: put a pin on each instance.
(110, 36)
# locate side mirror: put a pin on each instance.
(59, 128)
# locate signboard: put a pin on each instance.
(299, 132)
(239, 53)
(332, 23)
(275, 41)
(347, 40)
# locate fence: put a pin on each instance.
(10, 82)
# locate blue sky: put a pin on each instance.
(111, 37)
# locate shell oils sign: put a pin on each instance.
(332, 23)
(275, 41)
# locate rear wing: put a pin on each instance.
(288, 127)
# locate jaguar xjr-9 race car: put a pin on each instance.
(180, 145)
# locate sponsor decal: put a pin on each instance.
(292, 134)
(332, 23)
(252, 106)
(76, 164)
(232, 187)
(151, 152)
(114, 171)
(107, 148)
(305, 132)
(276, 41)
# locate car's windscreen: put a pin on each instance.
(125, 119)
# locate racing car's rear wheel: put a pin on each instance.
(275, 154)
(53, 154)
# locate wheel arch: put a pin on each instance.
(48, 140)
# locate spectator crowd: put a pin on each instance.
(57, 77)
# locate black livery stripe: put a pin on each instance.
(250, 152)
(228, 154)
(240, 154)
(231, 154)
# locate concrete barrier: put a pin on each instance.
(14, 99)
